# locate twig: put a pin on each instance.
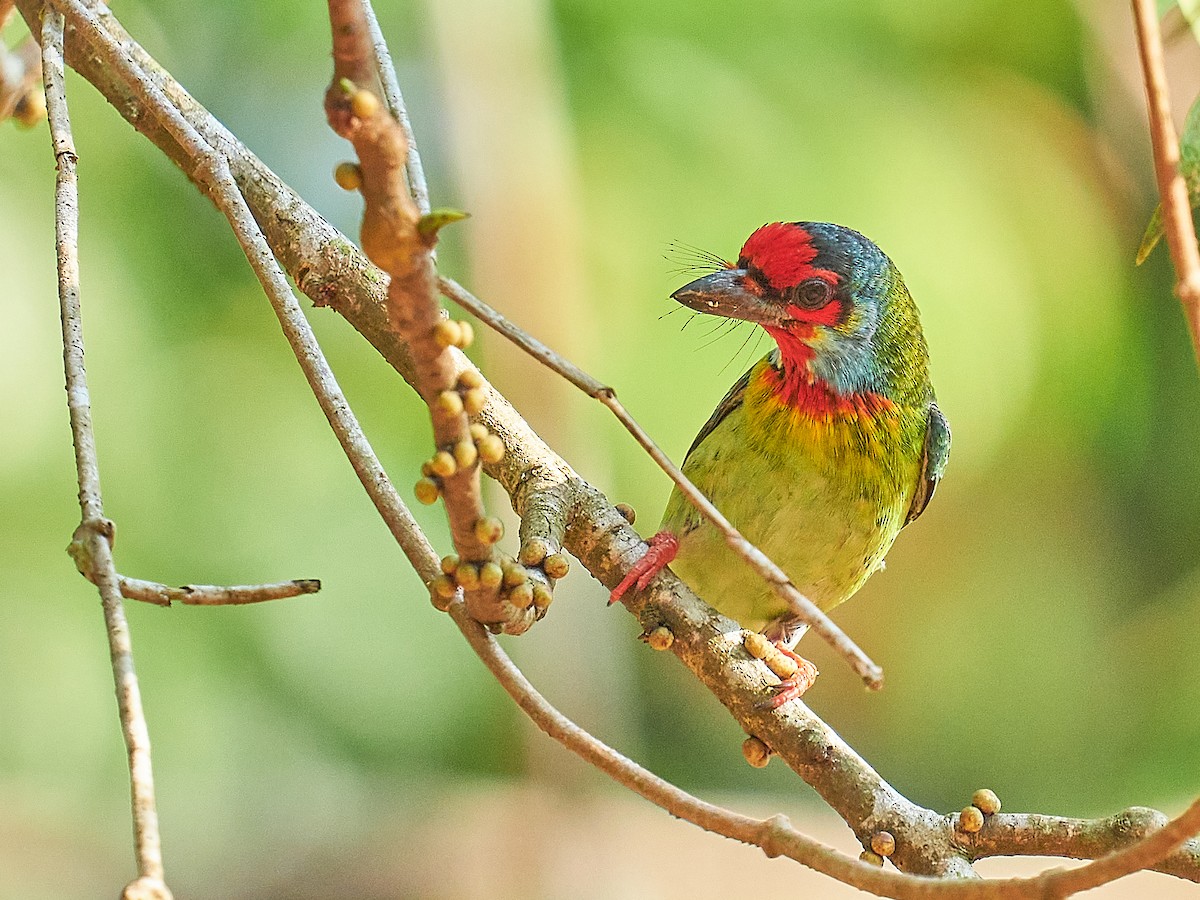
(399, 239)
(1172, 188)
(95, 532)
(395, 104)
(213, 168)
(804, 608)
(1032, 834)
(1142, 854)
(214, 595)
(775, 836)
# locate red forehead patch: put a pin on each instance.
(783, 253)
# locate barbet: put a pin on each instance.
(820, 453)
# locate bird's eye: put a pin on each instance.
(812, 293)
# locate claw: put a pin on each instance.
(794, 687)
(662, 549)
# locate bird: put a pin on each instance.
(823, 450)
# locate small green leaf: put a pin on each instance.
(437, 219)
(1189, 166)
(1154, 232)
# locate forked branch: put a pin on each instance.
(95, 532)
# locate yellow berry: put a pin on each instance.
(781, 665)
(449, 403)
(757, 645)
(757, 753)
(533, 551)
(449, 563)
(467, 335)
(871, 857)
(446, 333)
(542, 595)
(556, 565)
(467, 576)
(465, 454)
(443, 464)
(515, 575)
(427, 491)
(442, 592)
(490, 576)
(470, 378)
(474, 400)
(489, 530)
(521, 596)
(986, 801)
(661, 638)
(626, 512)
(883, 843)
(478, 432)
(970, 819)
(426, 469)
(348, 176)
(364, 104)
(491, 448)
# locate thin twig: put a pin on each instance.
(399, 239)
(1141, 854)
(1172, 187)
(1034, 834)
(94, 534)
(804, 608)
(775, 836)
(414, 171)
(299, 335)
(214, 595)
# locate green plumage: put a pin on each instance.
(826, 448)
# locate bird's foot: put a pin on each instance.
(793, 686)
(662, 549)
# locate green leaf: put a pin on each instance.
(435, 220)
(1189, 165)
(1165, 6)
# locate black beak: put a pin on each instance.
(724, 293)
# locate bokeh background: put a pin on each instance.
(1038, 626)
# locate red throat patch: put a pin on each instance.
(783, 252)
(819, 401)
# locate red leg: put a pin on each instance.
(662, 549)
(794, 687)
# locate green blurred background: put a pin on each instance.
(1038, 627)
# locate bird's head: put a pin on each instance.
(831, 299)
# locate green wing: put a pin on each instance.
(731, 402)
(933, 461)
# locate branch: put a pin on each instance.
(413, 170)
(1172, 188)
(804, 608)
(214, 595)
(95, 532)
(1031, 834)
(211, 168)
(399, 239)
